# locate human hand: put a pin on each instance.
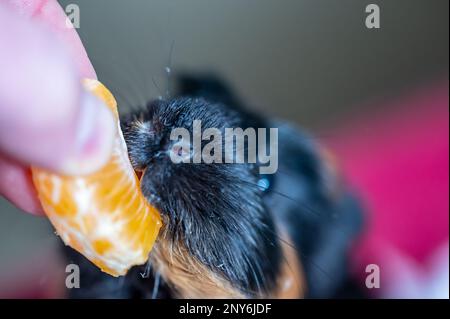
(46, 118)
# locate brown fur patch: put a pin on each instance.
(189, 278)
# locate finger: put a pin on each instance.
(46, 119)
(16, 186)
(50, 14)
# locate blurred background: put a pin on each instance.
(378, 98)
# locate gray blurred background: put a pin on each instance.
(313, 62)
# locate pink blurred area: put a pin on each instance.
(397, 157)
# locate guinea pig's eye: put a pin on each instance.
(180, 152)
(265, 182)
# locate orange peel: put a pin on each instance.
(102, 215)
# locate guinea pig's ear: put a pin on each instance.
(207, 86)
(324, 215)
(339, 231)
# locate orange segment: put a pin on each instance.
(103, 215)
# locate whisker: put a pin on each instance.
(302, 205)
(156, 286)
(111, 71)
(157, 88)
(283, 256)
(305, 206)
(169, 69)
(255, 276)
(301, 254)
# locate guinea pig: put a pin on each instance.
(229, 230)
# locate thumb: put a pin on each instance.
(46, 117)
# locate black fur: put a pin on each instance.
(225, 220)
(215, 209)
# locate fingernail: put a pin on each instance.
(94, 137)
